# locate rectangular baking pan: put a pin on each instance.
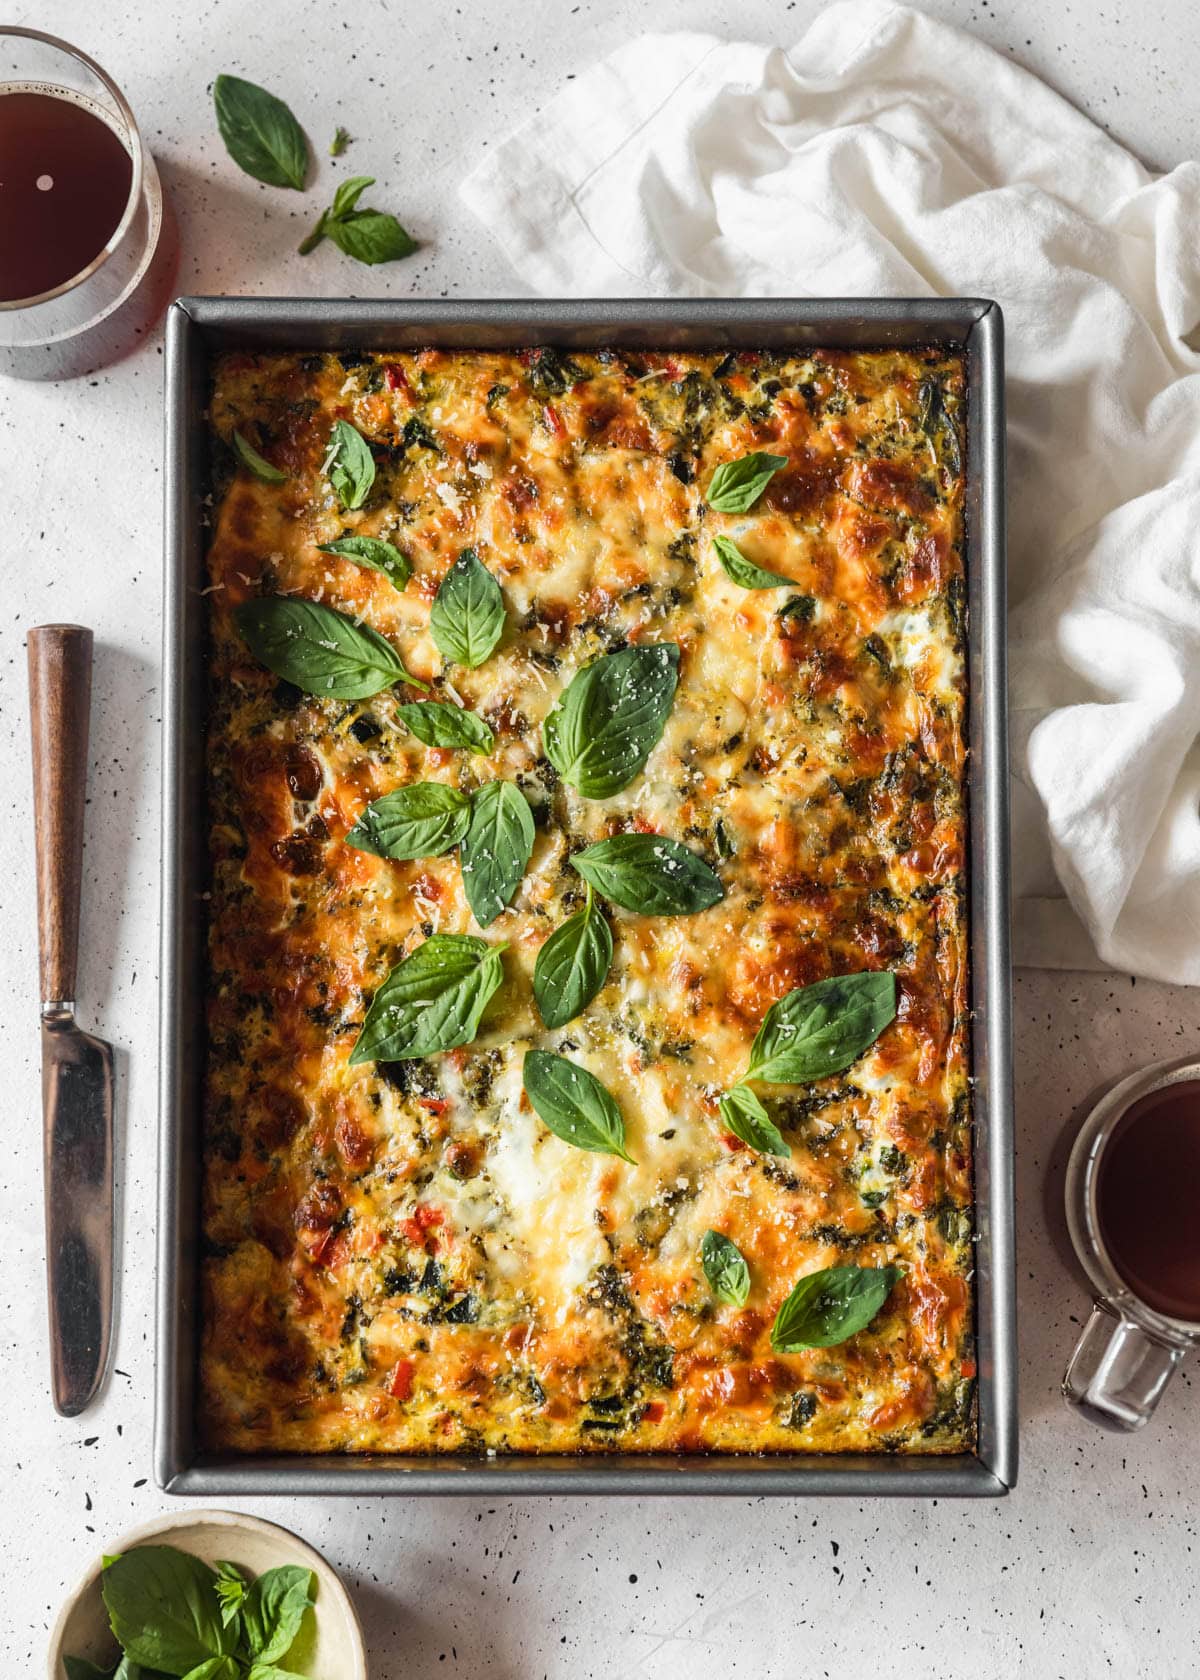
(199, 327)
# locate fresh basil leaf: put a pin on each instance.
(610, 716)
(573, 1104)
(440, 725)
(822, 1029)
(496, 850)
(725, 1268)
(274, 1610)
(261, 135)
(341, 139)
(829, 1306)
(573, 964)
(650, 875)
(744, 572)
(320, 650)
(373, 553)
(231, 1587)
(372, 236)
(348, 194)
(80, 1668)
(736, 485)
(420, 821)
(349, 464)
(250, 458)
(744, 1115)
(467, 617)
(216, 1668)
(434, 1000)
(163, 1609)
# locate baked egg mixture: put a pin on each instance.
(404, 1250)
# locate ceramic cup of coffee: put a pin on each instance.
(1133, 1191)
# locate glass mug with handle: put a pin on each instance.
(88, 246)
(1132, 1194)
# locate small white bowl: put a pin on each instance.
(336, 1651)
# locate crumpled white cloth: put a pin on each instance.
(890, 154)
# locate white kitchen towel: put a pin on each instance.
(888, 154)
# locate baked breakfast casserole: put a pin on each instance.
(588, 1012)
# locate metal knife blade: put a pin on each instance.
(77, 1110)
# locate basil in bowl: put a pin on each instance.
(227, 1594)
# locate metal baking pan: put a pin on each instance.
(198, 327)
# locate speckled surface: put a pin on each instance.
(1090, 1568)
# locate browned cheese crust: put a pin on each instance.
(400, 1257)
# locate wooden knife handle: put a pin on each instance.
(60, 699)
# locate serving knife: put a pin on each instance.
(77, 1069)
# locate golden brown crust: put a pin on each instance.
(401, 1258)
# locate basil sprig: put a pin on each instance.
(441, 725)
(827, 1307)
(736, 485)
(650, 875)
(256, 463)
(369, 236)
(812, 1032)
(744, 572)
(319, 649)
(173, 1615)
(467, 617)
(374, 554)
(493, 829)
(496, 848)
(573, 964)
(260, 133)
(822, 1029)
(349, 465)
(610, 717)
(431, 1001)
(725, 1268)
(573, 1104)
(743, 1114)
(423, 820)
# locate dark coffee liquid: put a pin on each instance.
(1148, 1200)
(64, 185)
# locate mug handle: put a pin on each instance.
(1118, 1370)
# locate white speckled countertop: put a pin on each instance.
(1090, 1568)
